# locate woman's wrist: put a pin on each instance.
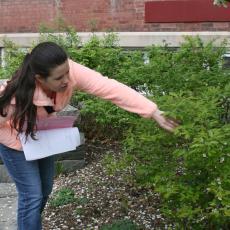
(157, 113)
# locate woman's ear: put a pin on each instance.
(39, 78)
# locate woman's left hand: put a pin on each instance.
(164, 122)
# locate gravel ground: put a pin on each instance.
(102, 199)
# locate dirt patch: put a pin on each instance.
(101, 198)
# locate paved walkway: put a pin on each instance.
(8, 206)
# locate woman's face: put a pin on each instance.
(58, 79)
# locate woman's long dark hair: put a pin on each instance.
(43, 58)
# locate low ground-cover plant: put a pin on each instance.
(62, 197)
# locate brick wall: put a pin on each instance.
(25, 15)
(89, 15)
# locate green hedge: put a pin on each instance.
(190, 169)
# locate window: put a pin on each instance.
(227, 60)
(1, 57)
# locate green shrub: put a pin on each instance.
(13, 57)
(191, 168)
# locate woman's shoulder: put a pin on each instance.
(79, 69)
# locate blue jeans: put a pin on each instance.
(34, 182)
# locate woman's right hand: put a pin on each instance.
(164, 122)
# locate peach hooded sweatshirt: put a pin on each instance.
(86, 80)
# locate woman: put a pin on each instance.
(43, 85)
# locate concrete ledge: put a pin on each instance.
(129, 39)
(77, 154)
(67, 166)
(4, 176)
(65, 163)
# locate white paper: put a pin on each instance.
(50, 142)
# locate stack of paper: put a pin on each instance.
(55, 135)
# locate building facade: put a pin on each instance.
(17, 16)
